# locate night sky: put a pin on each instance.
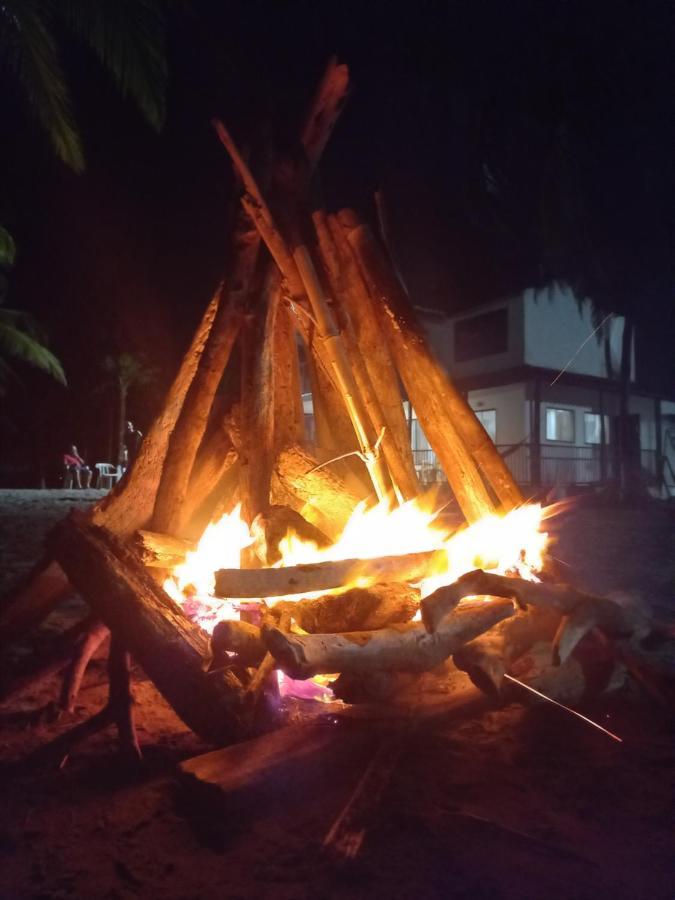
(514, 142)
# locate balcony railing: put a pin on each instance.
(569, 464)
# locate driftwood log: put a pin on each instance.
(358, 609)
(489, 656)
(172, 651)
(161, 550)
(324, 576)
(614, 618)
(321, 497)
(404, 648)
(269, 528)
(240, 638)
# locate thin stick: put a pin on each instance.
(528, 687)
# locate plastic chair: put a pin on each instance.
(107, 475)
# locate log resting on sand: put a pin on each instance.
(489, 656)
(325, 576)
(407, 648)
(610, 616)
(171, 649)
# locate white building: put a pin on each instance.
(544, 386)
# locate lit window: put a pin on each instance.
(592, 429)
(488, 419)
(559, 425)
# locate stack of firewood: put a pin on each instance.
(298, 283)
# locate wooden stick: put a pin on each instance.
(325, 110)
(256, 453)
(448, 421)
(325, 576)
(72, 681)
(121, 699)
(289, 416)
(405, 648)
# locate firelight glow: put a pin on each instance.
(503, 544)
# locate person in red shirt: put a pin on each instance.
(77, 466)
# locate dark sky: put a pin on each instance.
(564, 108)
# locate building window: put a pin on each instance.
(482, 335)
(559, 425)
(488, 419)
(592, 430)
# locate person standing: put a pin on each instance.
(133, 439)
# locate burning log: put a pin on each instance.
(324, 576)
(612, 617)
(358, 609)
(405, 648)
(161, 550)
(171, 650)
(488, 657)
(323, 497)
(268, 530)
(240, 638)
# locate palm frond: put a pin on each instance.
(7, 248)
(29, 49)
(128, 37)
(19, 343)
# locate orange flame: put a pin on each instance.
(504, 544)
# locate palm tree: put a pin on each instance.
(127, 37)
(20, 337)
(125, 370)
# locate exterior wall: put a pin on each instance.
(557, 334)
(509, 403)
(440, 332)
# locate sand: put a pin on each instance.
(520, 802)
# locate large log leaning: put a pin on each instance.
(325, 576)
(171, 649)
(448, 421)
(403, 648)
(612, 617)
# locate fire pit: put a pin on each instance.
(237, 558)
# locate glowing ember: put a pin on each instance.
(508, 544)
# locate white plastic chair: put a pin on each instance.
(107, 475)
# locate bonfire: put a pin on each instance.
(246, 568)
